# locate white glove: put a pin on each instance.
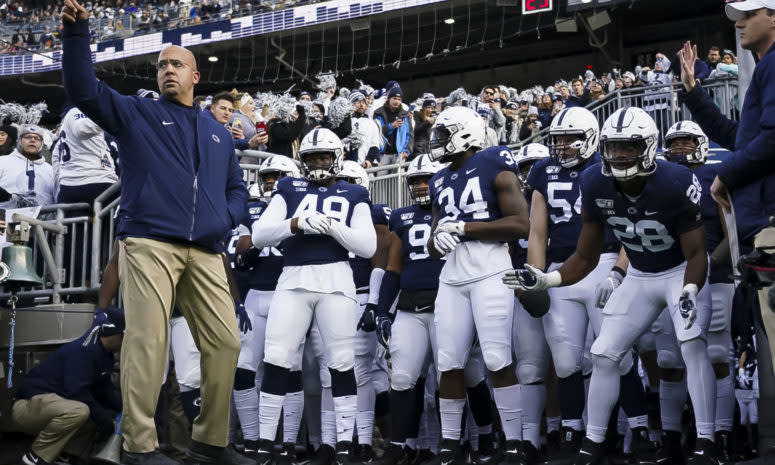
(453, 227)
(445, 242)
(606, 287)
(531, 279)
(687, 304)
(315, 223)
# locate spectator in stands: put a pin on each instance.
(17, 40)
(714, 57)
(305, 96)
(243, 120)
(73, 385)
(619, 84)
(222, 107)
(544, 104)
(30, 40)
(564, 92)
(510, 133)
(596, 92)
(488, 96)
(131, 9)
(283, 133)
(530, 126)
(579, 96)
(47, 39)
(206, 10)
(396, 128)
(365, 138)
(144, 23)
(423, 120)
(24, 173)
(7, 139)
(557, 104)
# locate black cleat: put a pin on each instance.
(511, 452)
(344, 454)
(570, 443)
(262, 451)
(591, 453)
(669, 453)
(423, 456)
(705, 453)
(364, 453)
(324, 456)
(528, 454)
(131, 458)
(286, 455)
(724, 447)
(449, 453)
(395, 454)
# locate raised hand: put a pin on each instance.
(688, 55)
(74, 11)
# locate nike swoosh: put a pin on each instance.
(699, 452)
(512, 451)
(167, 123)
(340, 191)
(650, 213)
(446, 463)
(470, 171)
(284, 453)
(262, 451)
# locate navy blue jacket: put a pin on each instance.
(77, 373)
(749, 173)
(181, 181)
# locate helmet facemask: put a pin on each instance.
(268, 180)
(319, 166)
(566, 149)
(626, 159)
(419, 193)
(684, 150)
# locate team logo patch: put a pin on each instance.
(632, 210)
(407, 216)
(437, 183)
(574, 174)
(453, 177)
(604, 203)
(255, 210)
(322, 189)
(552, 169)
(216, 138)
(427, 217)
(299, 183)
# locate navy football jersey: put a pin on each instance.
(362, 266)
(412, 225)
(337, 201)
(263, 277)
(649, 226)
(561, 187)
(468, 193)
(519, 248)
(714, 232)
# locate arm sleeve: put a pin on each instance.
(391, 283)
(240, 144)
(360, 238)
(755, 160)
(272, 227)
(236, 192)
(719, 128)
(375, 283)
(99, 102)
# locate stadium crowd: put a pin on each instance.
(449, 262)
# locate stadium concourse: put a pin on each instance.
(460, 233)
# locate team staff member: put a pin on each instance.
(58, 397)
(181, 193)
(749, 173)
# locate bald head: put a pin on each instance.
(177, 74)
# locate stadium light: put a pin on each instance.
(449, 21)
(213, 59)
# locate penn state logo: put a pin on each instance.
(453, 177)
(632, 210)
(322, 189)
(427, 217)
(574, 174)
(216, 138)
(552, 169)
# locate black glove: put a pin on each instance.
(246, 259)
(383, 330)
(300, 111)
(242, 315)
(368, 321)
(535, 303)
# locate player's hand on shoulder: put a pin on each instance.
(531, 278)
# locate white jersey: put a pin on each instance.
(368, 134)
(21, 176)
(82, 155)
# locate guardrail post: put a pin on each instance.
(96, 242)
(59, 254)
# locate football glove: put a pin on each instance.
(453, 227)
(368, 321)
(531, 279)
(445, 242)
(383, 330)
(606, 287)
(687, 304)
(242, 316)
(314, 223)
(743, 380)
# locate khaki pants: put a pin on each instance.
(766, 238)
(155, 276)
(54, 421)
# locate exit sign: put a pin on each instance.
(536, 6)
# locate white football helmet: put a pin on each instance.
(321, 141)
(629, 130)
(255, 192)
(456, 130)
(529, 154)
(422, 166)
(688, 129)
(276, 164)
(570, 121)
(353, 173)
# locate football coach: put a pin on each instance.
(181, 193)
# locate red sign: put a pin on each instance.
(536, 6)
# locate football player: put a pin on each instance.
(687, 144)
(318, 220)
(477, 206)
(262, 268)
(529, 341)
(653, 208)
(555, 223)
